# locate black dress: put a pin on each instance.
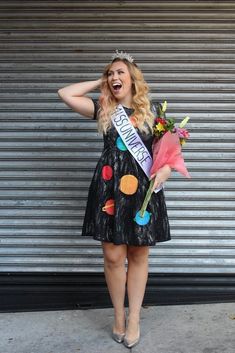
(110, 212)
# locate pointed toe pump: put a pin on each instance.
(131, 343)
(118, 337)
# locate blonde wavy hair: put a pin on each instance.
(141, 103)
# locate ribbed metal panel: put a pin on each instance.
(48, 153)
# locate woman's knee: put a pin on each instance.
(114, 255)
(138, 254)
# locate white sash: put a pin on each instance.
(132, 140)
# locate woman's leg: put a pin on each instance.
(137, 276)
(115, 275)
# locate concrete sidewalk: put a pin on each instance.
(200, 328)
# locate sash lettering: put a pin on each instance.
(132, 140)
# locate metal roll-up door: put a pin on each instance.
(48, 153)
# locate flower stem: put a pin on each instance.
(147, 198)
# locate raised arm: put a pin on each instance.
(75, 97)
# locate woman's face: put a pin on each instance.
(119, 81)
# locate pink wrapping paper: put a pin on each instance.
(167, 150)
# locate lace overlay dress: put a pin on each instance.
(113, 201)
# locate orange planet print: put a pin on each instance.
(128, 184)
(109, 207)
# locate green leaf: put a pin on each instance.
(170, 124)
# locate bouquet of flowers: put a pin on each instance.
(166, 150)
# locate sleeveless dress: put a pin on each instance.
(111, 209)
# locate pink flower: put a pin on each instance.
(182, 133)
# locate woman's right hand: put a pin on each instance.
(75, 96)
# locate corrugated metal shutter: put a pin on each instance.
(48, 153)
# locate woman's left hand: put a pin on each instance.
(161, 176)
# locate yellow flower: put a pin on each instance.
(160, 127)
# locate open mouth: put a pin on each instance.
(117, 87)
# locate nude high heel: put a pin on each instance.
(128, 343)
(119, 337)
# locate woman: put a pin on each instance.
(118, 189)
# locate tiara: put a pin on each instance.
(122, 55)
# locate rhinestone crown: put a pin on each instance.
(122, 55)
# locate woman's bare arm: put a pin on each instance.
(75, 97)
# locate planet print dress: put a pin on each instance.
(116, 194)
